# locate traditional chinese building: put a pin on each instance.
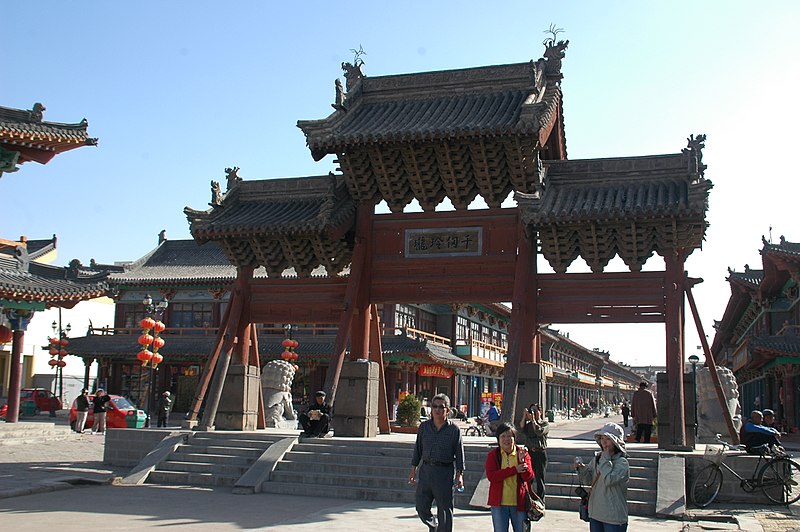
(758, 337)
(25, 136)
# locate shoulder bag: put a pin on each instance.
(534, 506)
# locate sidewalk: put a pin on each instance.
(31, 474)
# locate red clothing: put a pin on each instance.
(496, 476)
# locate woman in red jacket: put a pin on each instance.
(508, 468)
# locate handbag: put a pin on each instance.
(534, 506)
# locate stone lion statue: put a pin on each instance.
(276, 383)
(709, 412)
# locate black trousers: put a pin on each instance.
(315, 427)
(643, 429)
(624, 420)
(435, 483)
(539, 464)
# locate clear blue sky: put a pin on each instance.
(177, 91)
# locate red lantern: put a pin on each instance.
(157, 359)
(53, 341)
(61, 363)
(286, 355)
(64, 342)
(158, 342)
(53, 351)
(6, 334)
(145, 340)
(295, 343)
(63, 353)
(295, 356)
(287, 343)
(53, 362)
(144, 355)
(147, 323)
(159, 326)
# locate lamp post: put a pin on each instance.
(693, 360)
(152, 320)
(58, 350)
(599, 382)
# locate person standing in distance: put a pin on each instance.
(99, 407)
(164, 408)
(626, 413)
(535, 429)
(82, 410)
(437, 466)
(643, 410)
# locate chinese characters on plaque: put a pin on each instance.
(460, 242)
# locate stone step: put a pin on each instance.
(212, 458)
(203, 467)
(241, 443)
(219, 449)
(191, 479)
(563, 502)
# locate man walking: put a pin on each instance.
(82, 410)
(626, 412)
(643, 410)
(437, 466)
(535, 429)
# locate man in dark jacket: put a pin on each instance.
(643, 409)
(317, 418)
(82, 410)
(164, 408)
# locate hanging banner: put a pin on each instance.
(434, 370)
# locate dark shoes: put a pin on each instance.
(432, 523)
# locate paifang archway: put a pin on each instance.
(458, 134)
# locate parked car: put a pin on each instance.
(122, 414)
(42, 399)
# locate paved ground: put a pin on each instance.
(55, 483)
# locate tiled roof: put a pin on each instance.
(784, 249)
(750, 278)
(616, 189)
(491, 101)
(267, 207)
(778, 345)
(190, 347)
(34, 282)
(26, 130)
(178, 262)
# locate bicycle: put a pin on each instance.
(776, 474)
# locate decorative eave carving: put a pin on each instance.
(631, 207)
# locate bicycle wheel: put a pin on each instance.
(706, 486)
(471, 431)
(780, 480)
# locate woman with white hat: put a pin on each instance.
(608, 477)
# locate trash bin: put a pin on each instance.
(28, 408)
(551, 416)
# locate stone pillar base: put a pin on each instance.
(238, 407)
(355, 410)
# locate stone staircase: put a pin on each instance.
(212, 459)
(36, 432)
(371, 470)
(562, 479)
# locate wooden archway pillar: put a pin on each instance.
(524, 322)
(674, 289)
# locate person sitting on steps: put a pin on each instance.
(317, 418)
(754, 435)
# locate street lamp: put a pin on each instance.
(152, 320)
(58, 350)
(693, 360)
(599, 382)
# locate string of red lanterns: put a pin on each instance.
(58, 350)
(146, 340)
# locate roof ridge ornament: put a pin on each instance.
(233, 179)
(694, 150)
(37, 113)
(352, 71)
(554, 52)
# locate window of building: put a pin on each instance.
(405, 316)
(185, 315)
(427, 321)
(133, 314)
(462, 328)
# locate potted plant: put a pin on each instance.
(408, 411)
